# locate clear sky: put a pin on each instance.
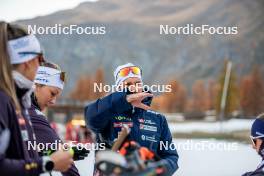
(11, 10)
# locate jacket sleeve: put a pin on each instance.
(14, 167)
(169, 155)
(46, 134)
(99, 113)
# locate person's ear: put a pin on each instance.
(36, 90)
(27, 65)
(37, 87)
(59, 92)
(32, 61)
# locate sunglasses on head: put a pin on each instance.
(125, 71)
(41, 59)
(254, 139)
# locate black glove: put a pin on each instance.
(80, 154)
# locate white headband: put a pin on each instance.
(23, 49)
(119, 80)
(49, 77)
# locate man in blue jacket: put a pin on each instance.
(257, 138)
(106, 116)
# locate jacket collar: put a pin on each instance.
(20, 92)
(23, 89)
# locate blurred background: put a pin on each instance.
(195, 65)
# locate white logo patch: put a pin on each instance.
(148, 128)
(146, 121)
(148, 138)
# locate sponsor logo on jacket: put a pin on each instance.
(146, 121)
(148, 138)
(121, 124)
(120, 118)
(148, 128)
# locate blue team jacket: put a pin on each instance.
(107, 115)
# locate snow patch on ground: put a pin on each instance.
(211, 127)
(216, 162)
(199, 163)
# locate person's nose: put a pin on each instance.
(254, 146)
(53, 101)
(132, 88)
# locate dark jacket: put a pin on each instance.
(4, 142)
(258, 172)
(18, 160)
(44, 132)
(107, 115)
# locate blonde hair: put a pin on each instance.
(8, 32)
(51, 65)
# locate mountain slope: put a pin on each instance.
(132, 35)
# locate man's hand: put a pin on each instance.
(136, 100)
(62, 160)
